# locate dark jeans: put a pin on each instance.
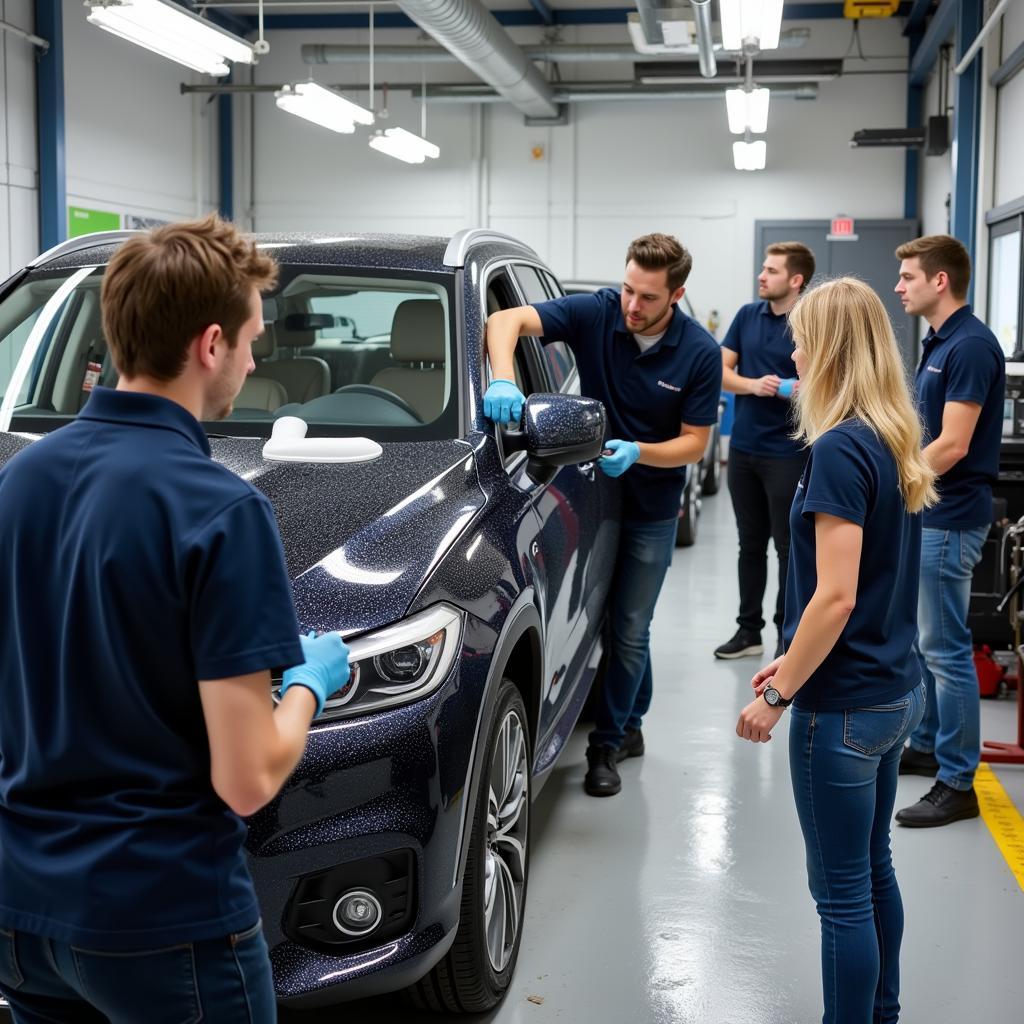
(223, 981)
(645, 553)
(762, 489)
(844, 767)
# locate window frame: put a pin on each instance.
(999, 227)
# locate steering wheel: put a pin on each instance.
(376, 392)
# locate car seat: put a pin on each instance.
(418, 343)
(303, 377)
(259, 392)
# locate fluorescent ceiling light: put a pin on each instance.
(748, 111)
(749, 156)
(171, 31)
(751, 19)
(403, 145)
(323, 107)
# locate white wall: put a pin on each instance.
(19, 206)
(618, 170)
(1009, 157)
(135, 145)
(936, 181)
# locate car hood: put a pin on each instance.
(359, 538)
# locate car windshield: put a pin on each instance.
(352, 352)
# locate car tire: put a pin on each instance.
(475, 973)
(713, 472)
(689, 511)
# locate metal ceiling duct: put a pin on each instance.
(705, 42)
(472, 33)
(558, 53)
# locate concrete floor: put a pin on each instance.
(684, 901)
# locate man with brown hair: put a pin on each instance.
(152, 603)
(961, 385)
(658, 373)
(765, 462)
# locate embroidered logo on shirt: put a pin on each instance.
(671, 387)
(933, 369)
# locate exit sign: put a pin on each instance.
(842, 230)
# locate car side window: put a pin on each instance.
(502, 295)
(538, 286)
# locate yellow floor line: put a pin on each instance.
(1002, 818)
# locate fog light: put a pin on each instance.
(357, 912)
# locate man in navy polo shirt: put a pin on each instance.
(659, 375)
(765, 462)
(145, 603)
(961, 383)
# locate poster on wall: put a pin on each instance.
(136, 223)
(83, 222)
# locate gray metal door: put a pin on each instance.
(871, 258)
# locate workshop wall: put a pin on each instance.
(19, 202)
(1009, 162)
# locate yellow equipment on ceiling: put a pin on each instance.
(870, 8)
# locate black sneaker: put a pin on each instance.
(917, 762)
(744, 644)
(632, 745)
(602, 776)
(941, 805)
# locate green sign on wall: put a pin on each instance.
(82, 221)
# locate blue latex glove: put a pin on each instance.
(786, 387)
(324, 670)
(503, 402)
(624, 454)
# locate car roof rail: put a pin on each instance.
(82, 242)
(459, 246)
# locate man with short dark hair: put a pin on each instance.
(146, 602)
(765, 462)
(659, 375)
(961, 385)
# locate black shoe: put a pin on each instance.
(745, 642)
(602, 776)
(632, 745)
(917, 762)
(941, 805)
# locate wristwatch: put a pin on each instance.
(774, 699)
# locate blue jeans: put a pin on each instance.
(952, 719)
(844, 767)
(645, 553)
(226, 981)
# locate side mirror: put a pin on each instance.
(558, 430)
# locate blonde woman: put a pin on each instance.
(849, 670)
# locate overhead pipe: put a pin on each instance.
(560, 53)
(37, 41)
(981, 37)
(705, 42)
(472, 33)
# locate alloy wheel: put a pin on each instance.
(505, 853)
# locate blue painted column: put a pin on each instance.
(53, 215)
(225, 155)
(966, 128)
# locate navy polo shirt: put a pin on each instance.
(131, 566)
(851, 474)
(647, 395)
(962, 362)
(761, 339)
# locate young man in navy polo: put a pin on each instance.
(765, 462)
(659, 375)
(146, 602)
(960, 384)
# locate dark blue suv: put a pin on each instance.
(467, 567)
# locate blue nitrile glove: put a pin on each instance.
(503, 402)
(786, 387)
(623, 455)
(325, 669)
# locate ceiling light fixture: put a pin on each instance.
(748, 110)
(172, 32)
(750, 156)
(750, 24)
(403, 145)
(323, 107)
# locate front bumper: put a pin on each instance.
(365, 788)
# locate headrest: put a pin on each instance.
(263, 347)
(417, 332)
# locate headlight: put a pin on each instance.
(397, 664)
